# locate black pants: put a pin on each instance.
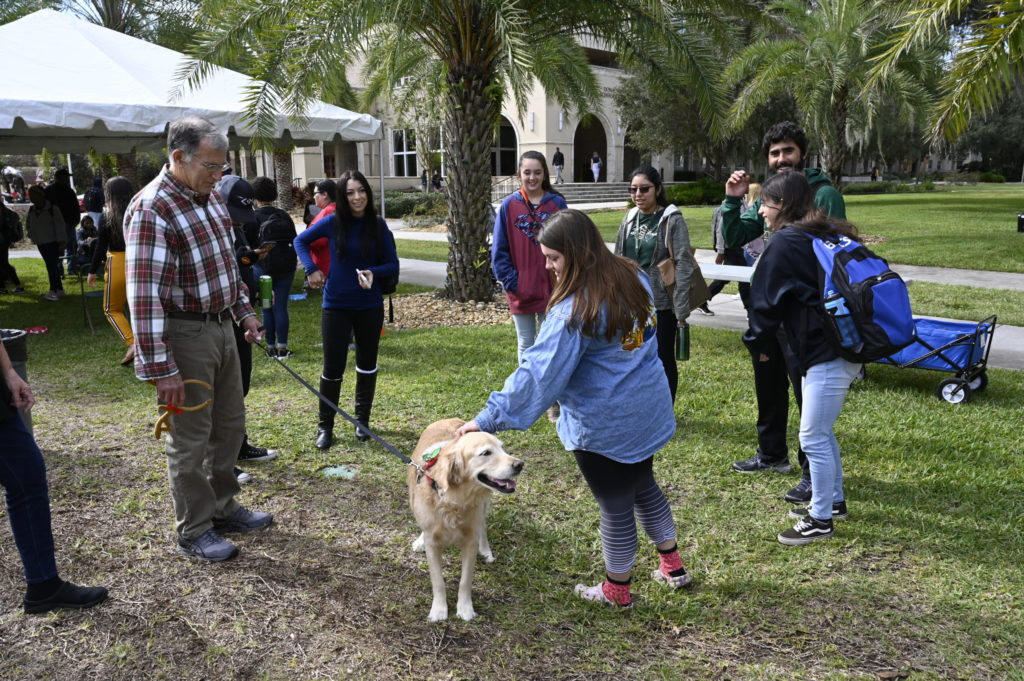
(51, 258)
(338, 326)
(733, 256)
(771, 384)
(7, 271)
(668, 330)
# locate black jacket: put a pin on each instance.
(785, 290)
(66, 201)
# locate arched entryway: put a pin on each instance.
(590, 137)
(505, 152)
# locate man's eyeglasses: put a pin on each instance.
(216, 167)
(641, 190)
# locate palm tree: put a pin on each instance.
(988, 56)
(823, 57)
(478, 50)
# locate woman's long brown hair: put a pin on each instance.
(600, 280)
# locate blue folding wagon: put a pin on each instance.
(960, 348)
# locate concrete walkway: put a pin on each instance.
(1007, 341)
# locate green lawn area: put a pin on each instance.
(923, 579)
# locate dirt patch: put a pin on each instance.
(427, 310)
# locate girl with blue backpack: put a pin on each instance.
(785, 291)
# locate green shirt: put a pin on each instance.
(642, 238)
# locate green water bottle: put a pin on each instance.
(266, 291)
(683, 343)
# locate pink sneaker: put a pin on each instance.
(596, 593)
(677, 582)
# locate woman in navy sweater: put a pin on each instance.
(362, 251)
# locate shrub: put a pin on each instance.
(400, 204)
(684, 175)
(704, 191)
(887, 188)
(991, 177)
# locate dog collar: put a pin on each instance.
(429, 459)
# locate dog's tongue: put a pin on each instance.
(507, 484)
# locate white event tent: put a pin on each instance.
(80, 86)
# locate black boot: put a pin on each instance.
(366, 388)
(325, 428)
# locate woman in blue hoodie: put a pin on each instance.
(362, 251)
(597, 356)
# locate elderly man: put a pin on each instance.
(184, 290)
(785, 147)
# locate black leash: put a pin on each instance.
(366, 429)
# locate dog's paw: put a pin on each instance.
(465, 612)
(439, 614)
(418, 545)
(488, 556)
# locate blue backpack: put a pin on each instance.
(865, 305)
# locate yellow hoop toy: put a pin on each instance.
(163, 424)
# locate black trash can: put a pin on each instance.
(16, 344)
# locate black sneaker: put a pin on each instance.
(243, 520)
(250, 453)
(67, 596)
(242, 476)
(271, 353)
(839, 511)
(801, 492)
(209, 546)
(807, 530)
(757, 465)
(705, 310)
(284, 353)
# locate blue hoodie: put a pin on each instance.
(614, 397)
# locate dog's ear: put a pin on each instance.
(455, 463)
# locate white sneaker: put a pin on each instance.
(50, 296)
(596, 593)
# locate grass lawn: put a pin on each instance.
(924, 579)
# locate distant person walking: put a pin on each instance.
(62, 195)
(595, 166)
(558, 161)
(10, 233)
(119, 192)
(44, 225)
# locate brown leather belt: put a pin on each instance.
(222, 316)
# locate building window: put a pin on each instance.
(403, 150)
(504, 156)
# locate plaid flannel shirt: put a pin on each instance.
(179, 257)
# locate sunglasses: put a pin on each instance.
(641, 190)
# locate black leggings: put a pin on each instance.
(337, 327)
(51, 258)
(668, 329)
(622, 490)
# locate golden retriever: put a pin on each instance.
(451, 502)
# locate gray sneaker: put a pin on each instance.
(208, 546)
(243, 520)
(756, 464)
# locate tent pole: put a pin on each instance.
(380, 166)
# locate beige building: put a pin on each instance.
(543, 127)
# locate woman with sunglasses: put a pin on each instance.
(643, 238)
(325, 196)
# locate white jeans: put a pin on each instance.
(824, 390)
(526, 330)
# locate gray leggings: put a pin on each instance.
(622, 490)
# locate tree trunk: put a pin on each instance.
(128, 168)
(283, 178)
(469, 130)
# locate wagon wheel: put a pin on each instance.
(979, 382)
(954, 391)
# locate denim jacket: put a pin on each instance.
(614, 396)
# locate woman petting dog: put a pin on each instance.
(362, 251)
(597, 356)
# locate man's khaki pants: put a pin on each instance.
(203, 445)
